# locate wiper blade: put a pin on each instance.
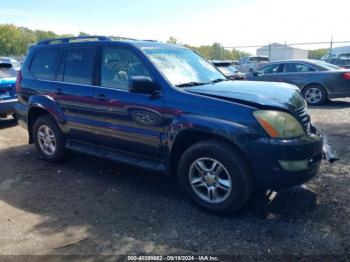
(219, 80)
(190, 84)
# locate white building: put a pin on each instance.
(278, 52)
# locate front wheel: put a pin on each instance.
(49, 139)
(215, 176)
(315, 95)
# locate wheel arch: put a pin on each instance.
(188, 138)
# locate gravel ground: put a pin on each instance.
(89, 206)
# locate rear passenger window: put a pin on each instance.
(297, 68)
(44, 64)
(79, 65)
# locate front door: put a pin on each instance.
(129, 122)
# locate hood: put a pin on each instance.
(254, 93)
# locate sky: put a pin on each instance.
(195, 22)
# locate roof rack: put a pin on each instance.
(70, 39)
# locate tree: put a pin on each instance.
(16, 40)
(317, 53)
(236, 54)
(172, 40)
(83, 34)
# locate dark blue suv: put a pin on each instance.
(165, 108)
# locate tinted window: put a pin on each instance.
(44, 64)
(295, 68)
(79, 65)
(118, 65)
(7, 71)
(270, 69)
(258, 59)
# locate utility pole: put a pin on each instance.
(331, 47)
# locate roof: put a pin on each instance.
(98, 39)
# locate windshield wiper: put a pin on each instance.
(190, 84)
(219, 80)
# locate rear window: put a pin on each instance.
(44, 64)
(258, 59)
(7, 71)
(79, 65)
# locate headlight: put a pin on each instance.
(279, 124)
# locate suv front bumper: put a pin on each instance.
(309, 149)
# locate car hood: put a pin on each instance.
(260, 94)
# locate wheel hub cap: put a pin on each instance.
(210, 180)
(313, 95)
(47, 140)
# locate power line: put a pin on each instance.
(292, 44)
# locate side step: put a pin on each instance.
(117, 156)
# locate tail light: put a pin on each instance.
(18, 81)
(346, 75)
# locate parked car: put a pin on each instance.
(165, 108)
(317, 80)
(227, 69)
(15, 64)
(8, 97)
(339, 56)
(250, 63)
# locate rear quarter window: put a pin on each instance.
(44, 64)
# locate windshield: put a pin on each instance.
(258, 59)
(182, 66)
(228, 70)
(344, 56)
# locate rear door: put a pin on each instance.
(127, 121)
(75, 91)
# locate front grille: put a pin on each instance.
(304, 117)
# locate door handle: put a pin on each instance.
(59, 91)
(101, 97)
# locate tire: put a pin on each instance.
(14, 116)
(46, 127)
(234, 172)
(315, 95)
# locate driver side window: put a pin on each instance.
(271, 69)
(118, 65)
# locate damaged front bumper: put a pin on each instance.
(327, 151)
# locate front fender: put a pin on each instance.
(237, 133)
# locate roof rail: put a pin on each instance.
(121, 38)
(70, 39)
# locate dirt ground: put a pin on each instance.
(89, 206)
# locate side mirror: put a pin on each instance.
(143, 85)
(256, 73)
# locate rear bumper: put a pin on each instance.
(22, 115)
(7, 107)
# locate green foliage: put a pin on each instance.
(16, 40)
(172, 40)
(217, 52)
(317, 53)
